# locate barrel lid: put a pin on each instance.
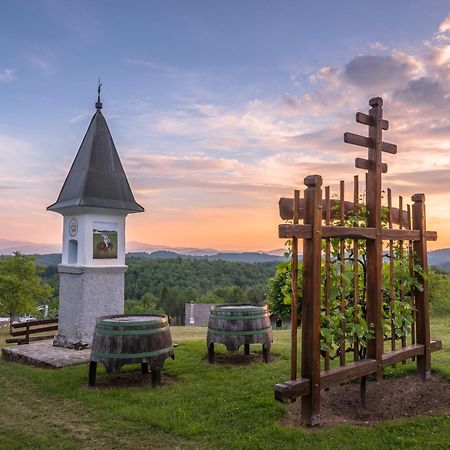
(239, 308)
(132, 320)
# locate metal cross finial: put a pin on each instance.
(99, 104)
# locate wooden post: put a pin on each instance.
(156, 376)
(312, 248)
(401, 254)
(266, 353)
(411, 273)
(374, 246)
(391, 273)
(421, 296)
(211, 357)
(27, 335)
(355, 265)
(92, 373)
(327, 267)
(341, 274)
(294, 303)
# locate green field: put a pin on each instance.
(202, 406)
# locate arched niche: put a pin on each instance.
(73, 251)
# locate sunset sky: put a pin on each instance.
(218, 108)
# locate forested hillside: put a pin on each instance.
(170, 283)
(165, 285)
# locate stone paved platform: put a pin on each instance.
(43, 354)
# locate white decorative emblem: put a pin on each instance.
(73, 227)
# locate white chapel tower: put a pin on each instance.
(94, 201)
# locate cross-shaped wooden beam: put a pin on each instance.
(375, 167)
(374, 143)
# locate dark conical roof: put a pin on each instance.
(96, 177)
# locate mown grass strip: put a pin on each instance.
(200, 406)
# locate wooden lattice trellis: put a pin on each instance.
(317, 214)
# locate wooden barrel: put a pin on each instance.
(237, 325)
(130, 339)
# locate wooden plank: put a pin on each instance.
(357, 139)
(366, 120)
(302, 231)
(435, 345)
(402, 354)
(431, 235)
(348, 232)
(406, 235)
(327, 267)
(34, 331)
(370, 142)
(299, 231)
(312, 252)
(349, 372)
(422, 295)
(41, 338)
(388, 234)
(294, 303)
(286, 208)
(365, 164)
(342, 322)
(389, 148)
(33, 323)
(31, 339)
(291, 390)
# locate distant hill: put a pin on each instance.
(246, 257)
(440, 259)
(8, 247)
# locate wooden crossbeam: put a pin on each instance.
(342, 374)
(301, 231)
(33, 323)
(402, 354)
(389, 148)
(34, 331)
(363, 141)
(367, 120)
(290, 390)
(23, 340)
(286, 207)
(365, 164)
(357, 139)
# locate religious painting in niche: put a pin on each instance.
(105, 240)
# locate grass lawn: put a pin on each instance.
(205, 406)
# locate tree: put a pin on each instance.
(230, 294)
(21, 288)
(279, 291)
(209, 297)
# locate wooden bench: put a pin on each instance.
(26, 329)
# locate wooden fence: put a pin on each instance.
(330, 219)
(33, 330)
